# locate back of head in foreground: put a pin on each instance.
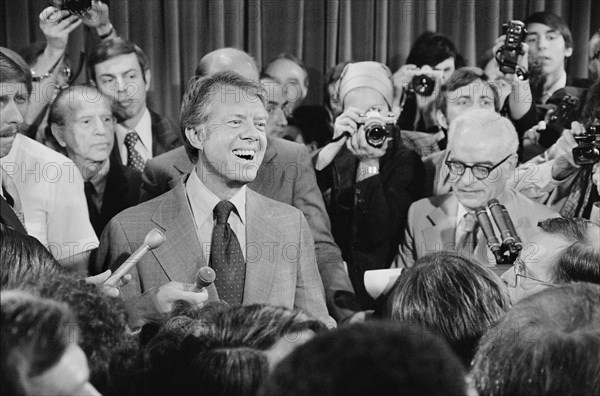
(369, 359)
(547, 344)
(452, 296)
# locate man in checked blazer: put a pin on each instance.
(223, 119)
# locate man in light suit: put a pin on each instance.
(482, 155)
(285, 175)
(223, 118)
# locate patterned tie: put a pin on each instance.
(467, 241)
(134, 159)
(226, 257)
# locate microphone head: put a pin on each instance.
(205, 277)
(493, 201)
(154, 238)
(479, 210)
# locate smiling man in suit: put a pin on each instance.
(482, 154)
(261, 250)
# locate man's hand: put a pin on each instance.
(522, 60)
(562, 152)
(57, 25)
(402, 78)
(111, 291)
(170, 292)
(97, 16)
(532, 135)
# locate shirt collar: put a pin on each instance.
(143, 129)
(558, 84)
(203, 201)
(12, 154)
(460, 213)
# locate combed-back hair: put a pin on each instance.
(111, 48)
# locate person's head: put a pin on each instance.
(289, 71)
(467, 88)
(228, 59)
(223, 119)
(331, 89)
(366, 85)
(121, 72)
(82, 123)
(15, 88)
(276, 106)
(594, 56)
(549, 39)
(548, 344)
(239, 343)
(451, 296)
(369, 359)
(40, 354)
(483, 145)
(436, 51)
(23, 257)
(564, 250)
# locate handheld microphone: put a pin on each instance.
(518, 244)
(488, 231)
(505, 233)
(205, 277)
(153, 239)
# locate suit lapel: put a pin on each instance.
(260, 239)
(443, 223)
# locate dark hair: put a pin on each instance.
(547, 344)
(23, 257)
(290, 57)
(111, 48)
(431, 48)
(230, 340)
(553, 21)
(13, 69)
(35, 334)
(580, 262)
(369, 359)
(451, 296)
(461, 78)
(199, 98)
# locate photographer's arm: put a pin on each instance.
(98, 18)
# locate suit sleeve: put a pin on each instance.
(307, 197)
(310, 296)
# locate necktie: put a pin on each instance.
(93, 212)
(134, 159)
(467, 241)
(226, 257)
(9, 190)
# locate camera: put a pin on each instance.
(378, 127)
(508, 54)
(77, 7)
(588, 146)
(558, 121)
(423, 82)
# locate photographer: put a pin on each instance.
(370, 187)
(49, 62)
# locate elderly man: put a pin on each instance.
(482, 152)
(291, 72)
(285, 175)
(562, 251)
(261, 250)
(83, 125)
(44, 187)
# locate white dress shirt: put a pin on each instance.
(144, 143)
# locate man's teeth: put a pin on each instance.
(244, 154)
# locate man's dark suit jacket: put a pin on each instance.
(120, 193)
(285, 175)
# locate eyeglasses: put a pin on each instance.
(521, 271)
(479, 171)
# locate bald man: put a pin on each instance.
(286, 175)
(482, 153)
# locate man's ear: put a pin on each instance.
(196, 137)
(513, 162)
(147, 78)
(441, 119)
(58, 133)
(568, 52)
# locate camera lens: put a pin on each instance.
(376, 135)
(423, 85)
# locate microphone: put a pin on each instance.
(505, 233)
(518, 244)
(153, 239)
(205, 277)
(488, 231)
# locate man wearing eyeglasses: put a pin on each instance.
(482, 153)
(562, 251)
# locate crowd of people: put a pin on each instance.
(474, 184)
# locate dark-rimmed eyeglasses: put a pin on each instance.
(521, 271)
(479, 171)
